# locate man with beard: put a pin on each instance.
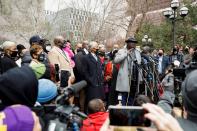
(8, 57)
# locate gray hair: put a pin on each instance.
(7, 45)
(93, 44)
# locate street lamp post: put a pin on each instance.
(171, 13)
(147, 40)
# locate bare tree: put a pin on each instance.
(23, 18)
(135, 7)
(107, 15)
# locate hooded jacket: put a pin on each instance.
(94, 121)
(19, 86)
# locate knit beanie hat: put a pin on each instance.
(18, 118)
(47, 90)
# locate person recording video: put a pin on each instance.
(129, 75)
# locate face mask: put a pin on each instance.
(160, 54)
(41, 57)
(14, 54)
(48, 48)
(101, 53)
(175, 53)
(63, 45)
(78, 50)
(97, 51)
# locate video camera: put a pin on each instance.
(63, 116)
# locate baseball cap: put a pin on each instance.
(35, 39)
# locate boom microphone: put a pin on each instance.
(78, 86)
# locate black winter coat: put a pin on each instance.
(92, 72)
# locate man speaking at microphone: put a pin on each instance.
(129, 75)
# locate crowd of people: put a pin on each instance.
(123, 76)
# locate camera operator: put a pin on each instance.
(8, 56)
(129, 75)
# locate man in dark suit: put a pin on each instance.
(163, 62)
(93, 74)
(78, 71)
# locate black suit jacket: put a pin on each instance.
(78, 69)
(92, 72)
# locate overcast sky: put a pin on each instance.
(53, 4)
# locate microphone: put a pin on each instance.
(70, 91)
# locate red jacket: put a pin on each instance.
(94, 121)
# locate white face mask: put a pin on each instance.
(48, 48)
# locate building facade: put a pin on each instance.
(74, 24)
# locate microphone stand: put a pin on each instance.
(147, 87)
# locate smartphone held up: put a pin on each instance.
(128, 116)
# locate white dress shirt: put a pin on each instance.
(160, 64)
(86, 51)
(95, 57)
